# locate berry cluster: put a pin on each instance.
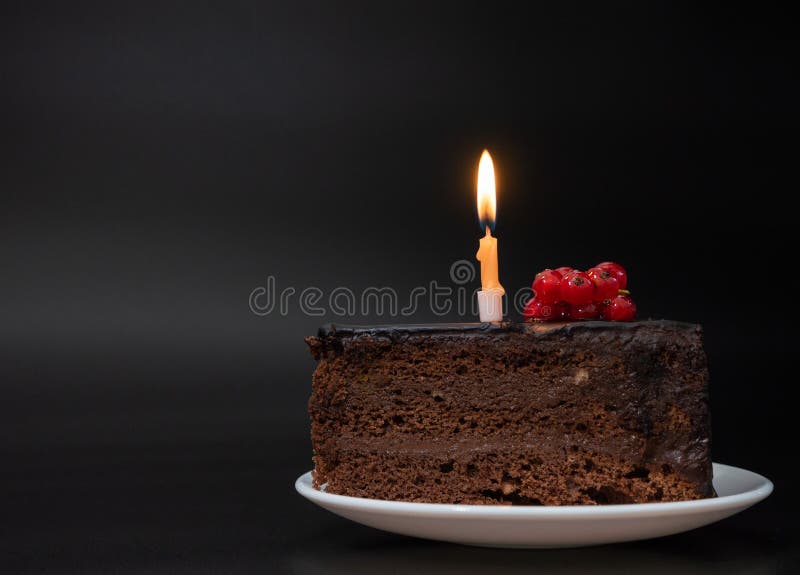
(570, 294)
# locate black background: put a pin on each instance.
(160, 160)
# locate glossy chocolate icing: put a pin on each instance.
(400, 332)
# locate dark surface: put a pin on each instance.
(159, 160)
(232, 508)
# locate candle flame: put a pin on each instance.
(487, 199)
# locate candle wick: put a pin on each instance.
(488, 231)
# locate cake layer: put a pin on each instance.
(518, 405)
(501, 472)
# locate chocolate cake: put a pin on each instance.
(533, 414)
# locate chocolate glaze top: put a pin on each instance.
(336, 337)
(402, 331)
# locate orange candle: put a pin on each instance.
(487, 210)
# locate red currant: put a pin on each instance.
(563, 310)
(590, 310)
(617, 271)
(606, 285)
(546, 286)
(620, 308)
(577, 288)
(537, 309)
(564, 270)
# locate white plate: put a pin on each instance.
(547, 526)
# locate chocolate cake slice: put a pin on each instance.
(533, 414)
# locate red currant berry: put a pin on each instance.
(617, 271)
(546, 286)
(577, 288)
(590, 310)
(564, 270)
(606, 285)
(620, 308)
(563, 310)
(536, 309)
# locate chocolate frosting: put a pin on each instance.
(403, 331)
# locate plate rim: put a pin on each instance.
(304, 487)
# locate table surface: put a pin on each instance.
(231, 507)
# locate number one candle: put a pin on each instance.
(490, 297)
